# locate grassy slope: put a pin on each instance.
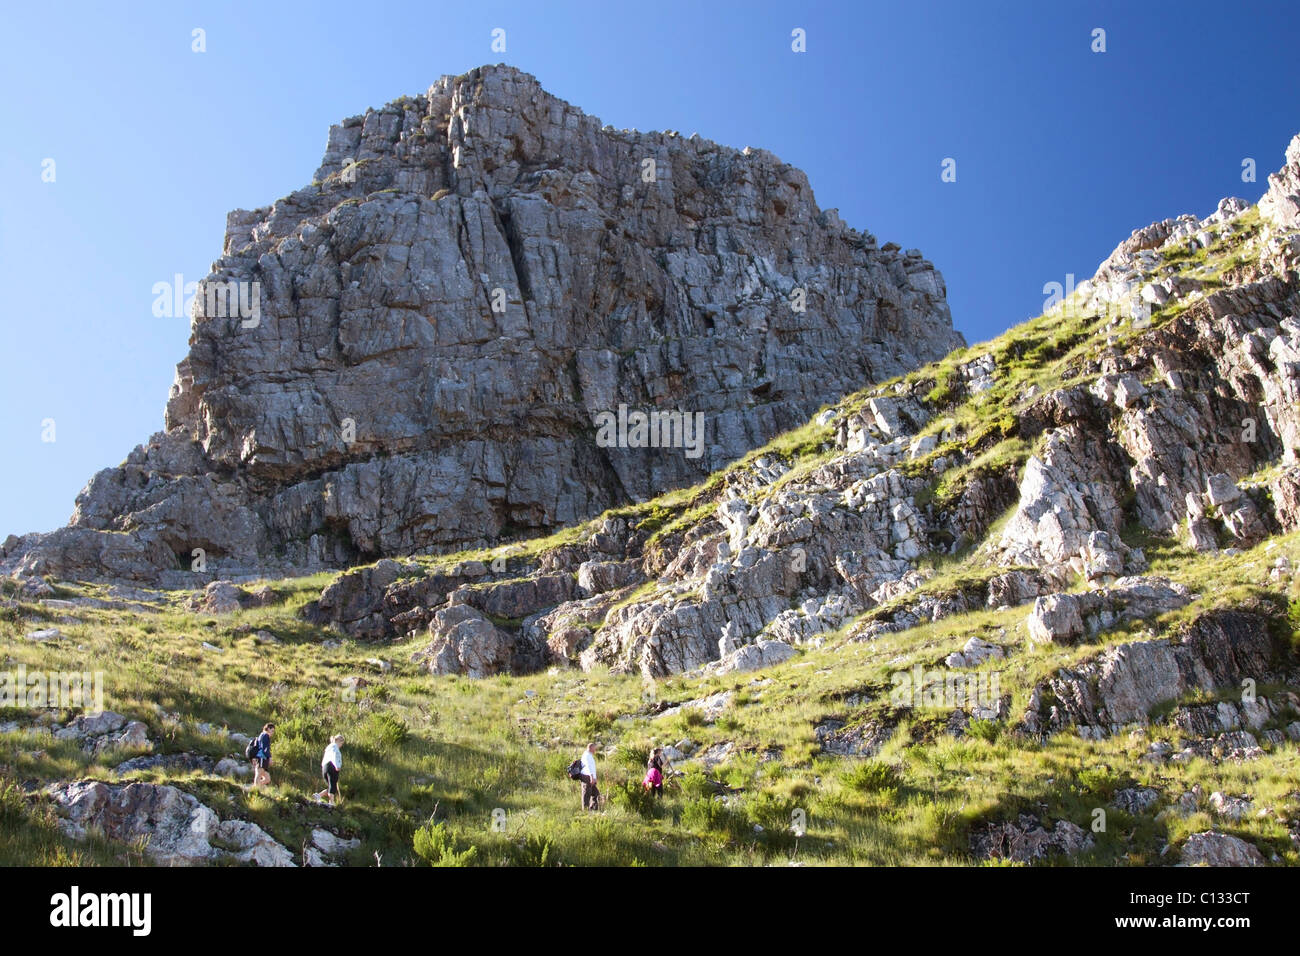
(455, 749)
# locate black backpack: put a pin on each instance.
(251, 752)
(575, 769)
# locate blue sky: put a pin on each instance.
(1061, 152)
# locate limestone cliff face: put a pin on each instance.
(474, 276)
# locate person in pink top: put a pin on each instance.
(654, 772)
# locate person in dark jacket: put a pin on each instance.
(262, 756)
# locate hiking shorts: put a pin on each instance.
(331, 775)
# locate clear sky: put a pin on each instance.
(1060, 152)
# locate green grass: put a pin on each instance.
(429, 759)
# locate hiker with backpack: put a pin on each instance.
(259, 752)
(331, 762)
(584, 769)
(654, 772)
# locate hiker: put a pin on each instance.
(331, 762)
(262, 756)
(590, 793)
(654, 773)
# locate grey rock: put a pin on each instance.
(859, 740)
(1211, 848)
(1028, 839)
(221, 597)
(597, 577)
(712, 707)
(1055, 619)
(465, 642)
(230, 767)
(171, 763)
(752, 657)
(176, 828)
(96, 733)
(1229, 807)
(1065, 618)
(1122, 684)
(1136, 800)
(1012, 589)
(327, 848)
(710, 757)
(974, 653)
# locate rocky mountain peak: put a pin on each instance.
(444, 341)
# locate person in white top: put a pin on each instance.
(331, 764)
(590, 793)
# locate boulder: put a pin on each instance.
(974, 653)
(712, 706)
(752, 657)
(176, 829)
(1027, 839)
(221, 597)
(1065, 618)
(1135, 800)
(99, 732)
(327, 849)
(710, 757)
(465, 642)
(1055, 619)
(1211, 848)
(231, 767)
(170, 763)
(354, 601)
(1230, 807)
(1012, 589)
(597, 577)
(859, 740)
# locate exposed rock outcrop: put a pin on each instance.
(1067, 618)
(97, 733)
(1212, 848)
(1124, 683)
(1028, 839)
(176, 828)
